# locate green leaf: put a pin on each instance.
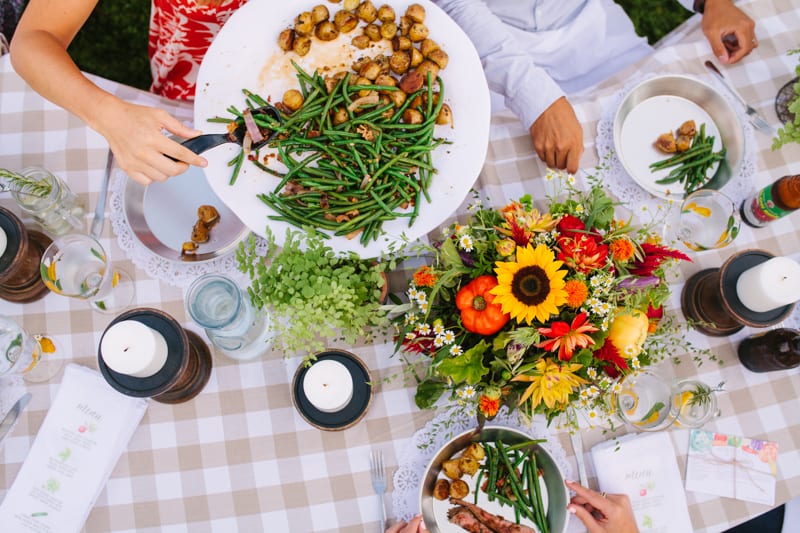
(467, 366)
(428, 392)
(449, 254)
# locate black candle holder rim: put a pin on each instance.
(730, 272)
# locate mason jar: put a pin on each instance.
(59, 212)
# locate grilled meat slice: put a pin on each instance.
(466, 520)
(495, 523)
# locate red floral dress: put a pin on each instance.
(180, 33)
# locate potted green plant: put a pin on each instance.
(315, 295)
(787, 106)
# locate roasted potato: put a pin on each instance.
(301, 45)
(683, 143)
(474, 450)
(200, 233)
(427, 46)
(400, 62)
(326, 31)
(445, 116)
(411, 82)
(388, 30)
(418, 32)
(666, 143)
(459, 489)
(373, 32)
(416, 57)
(293, 99)
(370, 70)
(398, 97)
(416, 13)
(350, 4)
(386, 80)
(304, 23)
(386, 13)
(360, 41)
(688, 128)
(405, 25)
(441, 490)
(468, 465)
(319, 13)
(361, 80)
(360, 62)
(286, 39)
(412, 116)
(401, 42)
(340, 116)
(451, 468)
(208, 215)
(366, 11)
(345, 21)
(190, 247)
(428, 66)
(439, 57)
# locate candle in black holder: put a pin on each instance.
(21, 252)
(714, 299)
(146, 353)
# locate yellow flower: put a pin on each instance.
(550, 383)
(506, 247)
(628, 331)
(532, 287)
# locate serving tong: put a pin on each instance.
(201, 143)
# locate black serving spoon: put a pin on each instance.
(201, 143)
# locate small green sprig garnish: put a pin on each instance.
(24, 184)
(701, 395)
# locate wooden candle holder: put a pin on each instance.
(20, 280)
(184, 374)
(710, 302)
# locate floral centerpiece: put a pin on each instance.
(536, 310)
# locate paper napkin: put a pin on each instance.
(732, 466)
(85, 431)
(644, 467)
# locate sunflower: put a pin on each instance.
(532, 287)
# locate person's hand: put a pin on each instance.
(134, 134)
(602, 513)
(416, 525)
(558, 136)
(730, 32)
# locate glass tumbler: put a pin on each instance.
(645, 401)
(77, 266)
(217, 304)
(58, 213)
(708, 220)
(696, 403)
(25, 354)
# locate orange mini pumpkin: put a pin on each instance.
(479, 313)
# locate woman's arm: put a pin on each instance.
(134, 133)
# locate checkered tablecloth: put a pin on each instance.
(240, 458)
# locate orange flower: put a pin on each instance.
(424, 277)
(621, 249)
(566, 338)
(488, 406)
(577, 292)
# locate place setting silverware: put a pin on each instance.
(577, 448)
(755, 118)
(378, 475)
(100, 208)
(8, 422)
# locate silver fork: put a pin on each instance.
(378, 473)
(755, 119)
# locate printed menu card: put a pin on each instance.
(81, 439)
(732, 466)
(644, 467)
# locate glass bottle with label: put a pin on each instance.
(58, 211)
(777, 349)
(772, 202)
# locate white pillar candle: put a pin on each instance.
(132, 348)
(772, 284)
(3, 241)
(328, 385)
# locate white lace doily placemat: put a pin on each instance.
(176, 273)
(629, 192)
(445, 425)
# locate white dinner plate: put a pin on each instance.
(642, 126)
(245, 55)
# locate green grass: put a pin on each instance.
(113, 43)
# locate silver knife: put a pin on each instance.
(100, 209)
(11, 417)
(577, 449)
(755, 119)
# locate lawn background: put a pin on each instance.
(113, 42)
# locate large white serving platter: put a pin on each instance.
(245, 55)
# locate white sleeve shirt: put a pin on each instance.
(535, 51)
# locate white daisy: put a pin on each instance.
(449, 336)
(456, 350)
(635, 363)
(465, 241)
(424, 329)
(438, 341)
(591, 372)
(411, 335)
(438, 329)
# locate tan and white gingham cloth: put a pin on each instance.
(240, 458)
